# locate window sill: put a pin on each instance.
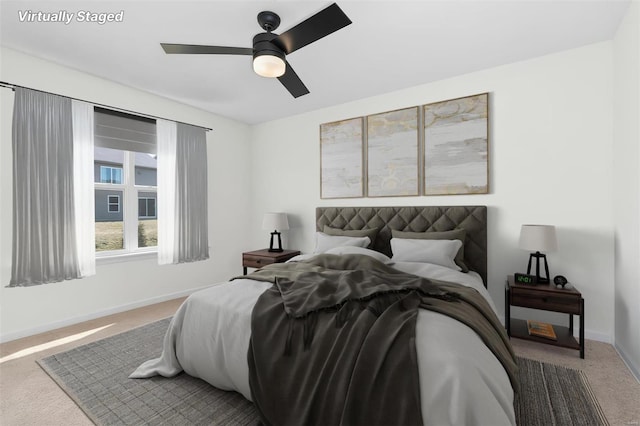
(126, 257)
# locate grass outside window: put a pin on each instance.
(110, 235)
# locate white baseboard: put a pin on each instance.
(81, 318)
(635, 369)
(592, 335)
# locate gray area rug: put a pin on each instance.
(95, 376)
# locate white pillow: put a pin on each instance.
(326, 242)
(361, 250)
(300, 257)
(439, 252)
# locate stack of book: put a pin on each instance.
(541, 329)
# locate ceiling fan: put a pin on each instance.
(269, 49)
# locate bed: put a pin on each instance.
(461, 381)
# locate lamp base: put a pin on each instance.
(277, 249)
(538, 256)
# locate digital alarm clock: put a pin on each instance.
(524, 278)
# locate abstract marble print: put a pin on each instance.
(341, 159)
(456, 146)
(392, 146)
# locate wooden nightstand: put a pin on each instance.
(549, 298)
(260, 258)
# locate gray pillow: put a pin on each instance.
(371, 233)
(455, 234)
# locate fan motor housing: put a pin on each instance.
(262, 46)
(268, 20)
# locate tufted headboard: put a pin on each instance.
(415, 219)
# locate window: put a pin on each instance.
(126, 206)
(125, 180)
(146, 208)
(113, 204)
(110, 174)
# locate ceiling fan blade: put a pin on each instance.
(205, 50)
(320, 25)
(292, 82)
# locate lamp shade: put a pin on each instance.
(538, 238)
(275, 221)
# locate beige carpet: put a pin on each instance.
(29, 397)
(616, 389)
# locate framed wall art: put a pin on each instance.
(456, 146)
(341, 159)
(392, 153)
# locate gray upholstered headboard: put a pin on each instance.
(415, 219)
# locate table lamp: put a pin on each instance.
(538, 238)
(277, 222)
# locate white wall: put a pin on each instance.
(550, 163)
(120, 286)
(626, 186)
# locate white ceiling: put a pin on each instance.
(390, 45)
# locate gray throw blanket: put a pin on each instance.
(333, 340)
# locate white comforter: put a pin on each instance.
(461, 381)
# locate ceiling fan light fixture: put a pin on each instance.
(269, 65)
(269, 49)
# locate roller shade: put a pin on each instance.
(119, 130)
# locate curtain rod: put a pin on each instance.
(13, 86)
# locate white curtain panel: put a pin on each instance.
(191, 194)
(84, 193)
(166, 136)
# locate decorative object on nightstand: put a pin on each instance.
(538, 238)
(560, 281)
(277, 222)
